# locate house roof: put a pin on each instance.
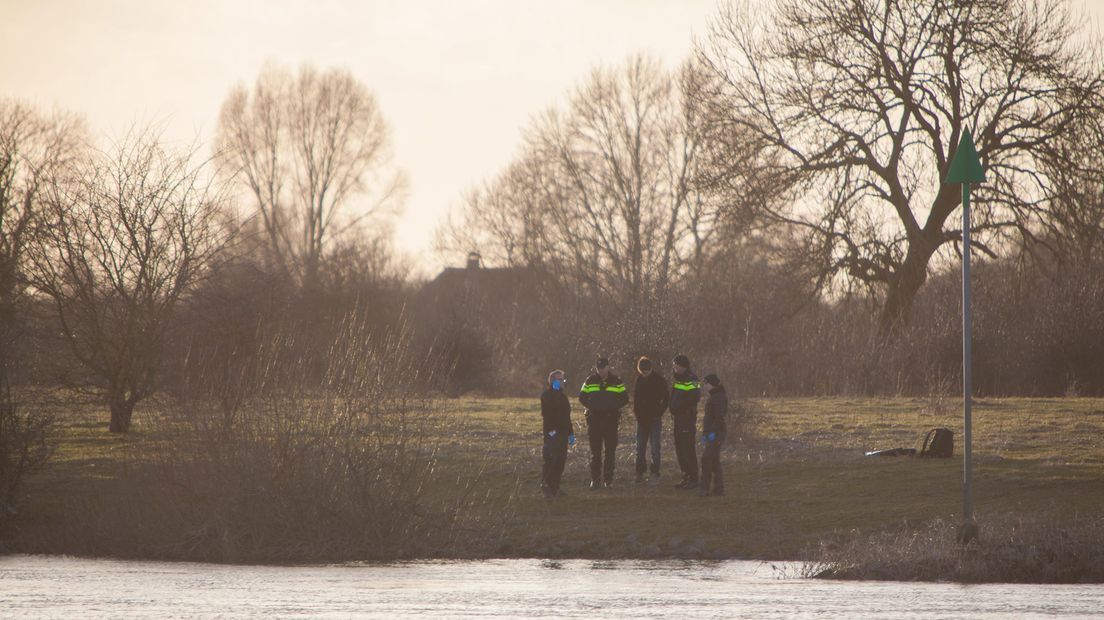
(456, 282)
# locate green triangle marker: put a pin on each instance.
(966, 169)
(966, 165)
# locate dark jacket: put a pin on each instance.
(556, 412)
(685, 393)
(716, 410)
(650, 397)
(603, 395)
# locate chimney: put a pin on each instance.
(473, 260)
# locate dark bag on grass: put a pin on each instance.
(938, 444)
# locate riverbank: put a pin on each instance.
(1008, 550)
(800, 483)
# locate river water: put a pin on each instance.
(60, 587)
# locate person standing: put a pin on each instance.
(685, 393)
(558, 433)
(713, 436)
(603, 395)
(650, 400)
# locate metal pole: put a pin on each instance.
(969, 531)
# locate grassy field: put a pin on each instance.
(800, 481)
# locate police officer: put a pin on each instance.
(603, 395)
(558, 433)
(713, 436)
(685, 393)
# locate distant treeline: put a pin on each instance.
(773, 208)
(1035, 333)
(138, 270)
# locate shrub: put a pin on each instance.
(270, 464)
(24, 447)
(745, 418)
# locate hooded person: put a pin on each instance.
(650, 399)
(558, 433)
(603, 395)
(685, 393)
(713, 434)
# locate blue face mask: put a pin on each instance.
(557, 384)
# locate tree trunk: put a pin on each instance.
(910, 277)
(121, 411)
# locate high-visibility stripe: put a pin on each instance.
(686, 386)
(595, 387)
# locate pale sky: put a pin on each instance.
(457, 80)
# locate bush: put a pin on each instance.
(271, 464)
(24, 447)
(745, 417)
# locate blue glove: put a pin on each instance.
(571, 440)
(712, 436)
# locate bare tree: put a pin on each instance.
(122, 243)
(34, 150)
(1074, 236)
(604, 189)
(307, 148)
(623, 157)
(503, 220)
(858, 106)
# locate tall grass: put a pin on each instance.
(299, 453)
(1010, 550)
(746, 419)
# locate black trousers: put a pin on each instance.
(602, 432)
(554, 454)
(711, 471)
(685, 450)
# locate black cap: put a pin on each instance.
(682, 360)
(601, 362)
(712, 379)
